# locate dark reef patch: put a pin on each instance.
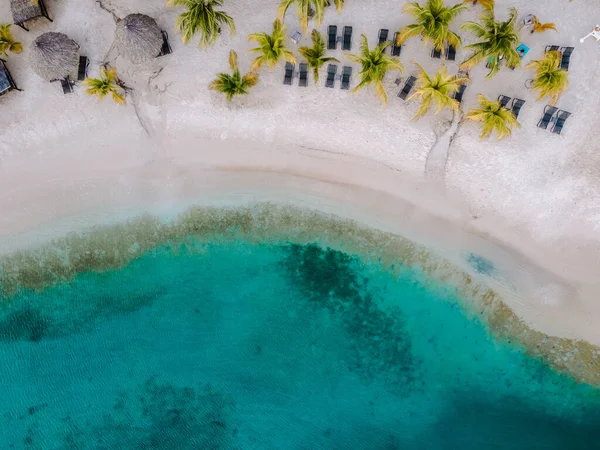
(331, 279)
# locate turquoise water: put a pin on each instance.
(248, 346)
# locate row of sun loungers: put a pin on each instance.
(565, 52)
(302, 74)
(553, 114)
(450, 53)
(515, 105)
(344, 77)
(333, 38)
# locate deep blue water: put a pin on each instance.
(246, 346)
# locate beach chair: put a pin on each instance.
(84, 63)
(332, 37)
(458, 95)
(67, 85)
(516, 106)
(346, 75)
(289, 73)
(408, 85)
(551, 48)
(503, 99)
(25, 10)
(383, 36)
(566, 57)
(396, 49)
(549, 112)
(303, 75)
(7, 83)
(435, 53)
(450, 53)
(347, 42)
(560, 120)
(295, 37)
(166, 48)
(331, 71)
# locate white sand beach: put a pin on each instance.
(530, 203)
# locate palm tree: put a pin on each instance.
(493, 117)
(440, 90)
(433, 22)
(306, 9)
(271, 47)
(497, 42)
(235, 83)
(549, 78)
(315, 55)
(7, 43)
(486, 4)
(108, 83)
(539, 27)
(202, 18)
(374, 65)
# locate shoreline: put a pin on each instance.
(369, 193)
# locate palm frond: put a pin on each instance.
(234, 83)
(493, 118)
(201, 17)
(7, 42)
(106, 84)
(549, 79)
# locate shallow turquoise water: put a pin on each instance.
(242, 346)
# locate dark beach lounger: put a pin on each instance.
(347, 42)
(303, 76)
(516, 106)
(346, 74)
(408, 85)
(383, 36)
(166, 48)
(458, 95)
(566, 57)
(289, 73)
(67, 86)
(396, 49)
(84, 63)
(549, 112)
(552, 48)
(504, 100)
(450, 53)
(24, 11)
(331, 71)
(561, 117)
(7, 83)
(435, 53)
(332, 37)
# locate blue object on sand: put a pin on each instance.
(522, 50)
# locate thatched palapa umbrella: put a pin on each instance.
(138, 38)
(54, 56)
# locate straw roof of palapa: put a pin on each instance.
(138, 38)
(53, 56)
(23, 10)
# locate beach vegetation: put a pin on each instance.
(549, 79)
(433, 21)
(374, 65)
(7, 42)
(201, 17)
(108, 83)
(437, 90)
(486, 4)
(232, 84)
(539, 27)
(307, 9)
(271, 47)
(493, 118)
(497, 42)
(315, 55)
